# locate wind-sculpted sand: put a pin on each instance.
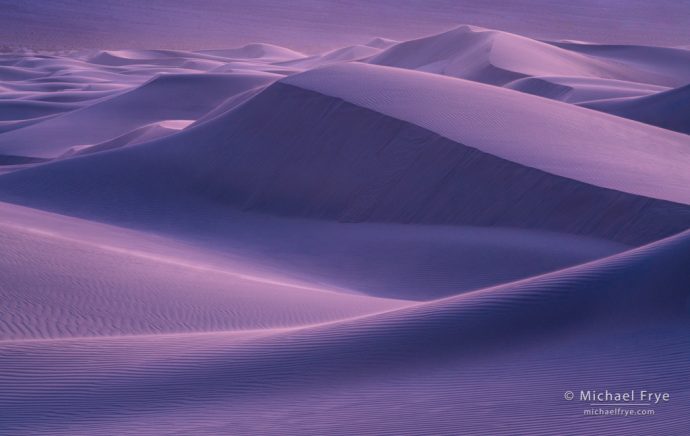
(435, 236)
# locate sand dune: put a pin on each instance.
(253, 51)
(488, 56)
(581, 89)
(145, 133)
(565, 71)
(430, 236)
(345, 54)
(425, 344)
(665, 63)
(495, 57)
(504, 124)
(166, 97)
(450, 164)
(383, 260)
(6, 126)
(126, 57)
(147, 289)
(396, 181)
(24, 110)
(668, 109)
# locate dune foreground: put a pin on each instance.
(446, 235)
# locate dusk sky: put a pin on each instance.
(310, 25)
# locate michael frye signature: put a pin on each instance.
(633, 402)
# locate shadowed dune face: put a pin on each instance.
(667, 109)
(430, 236)
(578, 144)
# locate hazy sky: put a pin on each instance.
(311, 25)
